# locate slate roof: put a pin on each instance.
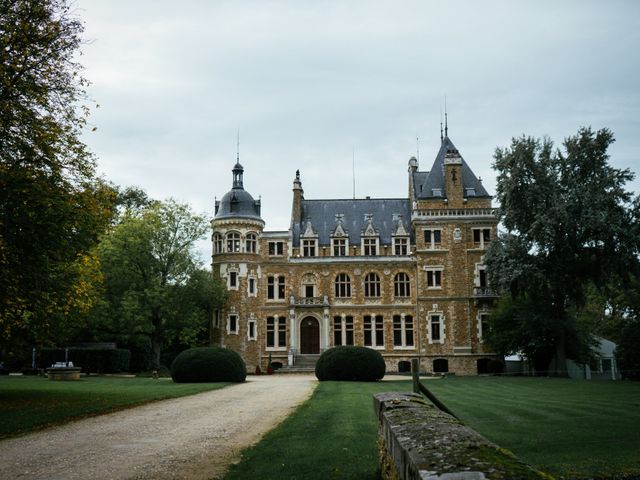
(426, 182)
(322, 214)
(238, 203)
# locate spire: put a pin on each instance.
(238, 148)
(446, 126)
(441, 137)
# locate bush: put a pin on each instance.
(350, 363)
(96, 360)
(208, 364)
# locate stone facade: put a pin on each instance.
(403, 276)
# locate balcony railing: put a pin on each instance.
(484, 292)
(309, 301)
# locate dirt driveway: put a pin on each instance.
(194, 437)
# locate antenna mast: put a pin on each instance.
(418, 148)
(238, 147)
(353, 169)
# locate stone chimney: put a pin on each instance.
(453, 178)
(298, 196)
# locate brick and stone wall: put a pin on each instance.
(418, 441)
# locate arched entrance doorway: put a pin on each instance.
(309, 336)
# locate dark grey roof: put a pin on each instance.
(435, 178)
(418, 181)
(322, 214)
(238, 203)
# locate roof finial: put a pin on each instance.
(446, 127)
(441, 137)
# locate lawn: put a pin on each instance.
(31, 403)
(332, 435)
(569, 428)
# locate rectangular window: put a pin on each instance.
(434, 278)
(370, 247)
(233, 280)
(374, 331)
(308, 248)
(251, 330)
(435, 329)
(433, 238)
(400, 246)
(275, 288)
(343, 330)
(483, 325)
(339, 247)
(481, 237)
(252, 287)
(276, 333)
(402, 331)
(232, 323)
(276, 249)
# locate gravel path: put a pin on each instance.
(194, 437)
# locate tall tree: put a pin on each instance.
(571, 225)
(153, 283)
(52, 207)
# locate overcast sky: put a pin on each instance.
(308, 83)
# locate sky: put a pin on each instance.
(321, 86)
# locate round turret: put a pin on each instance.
(238, 203)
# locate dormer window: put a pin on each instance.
(436, 192)
(400, 246)
(339, 238)
(471, 192)
(339, 247)
(309, 241)
(370, 238)
(309, 248)
(370, 247)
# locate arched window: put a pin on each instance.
(233, 242)
(217, 243)
(252, 243)
(343, 286)
(372, 285)
(401, 285)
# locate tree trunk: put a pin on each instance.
(156, 348)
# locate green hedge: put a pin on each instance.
(208, 364)
(91, 360)
(350, 363)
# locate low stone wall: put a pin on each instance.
(418, 441)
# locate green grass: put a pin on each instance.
(332, 435)
(566, 427)
(570, 428)
(32, 403)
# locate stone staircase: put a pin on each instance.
(303, 364)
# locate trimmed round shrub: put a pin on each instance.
(350, 363)
(208, 364)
